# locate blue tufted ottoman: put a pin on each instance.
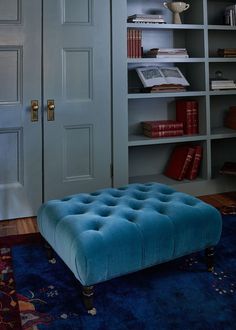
(112, 232)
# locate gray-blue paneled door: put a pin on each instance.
(56, 53)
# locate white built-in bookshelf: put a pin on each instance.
(141, 159)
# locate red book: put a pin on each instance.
(187, 112)
(179, 162)
(194, 167)
(162, 125)
(139, 43)
(156, 133)
(128, 44)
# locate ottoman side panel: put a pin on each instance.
(197, 225)
(97, 250)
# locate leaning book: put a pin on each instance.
(154, 75)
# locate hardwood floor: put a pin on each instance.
(18, 226)
(29, 225)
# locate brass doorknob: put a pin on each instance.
(50, 110)
(34, 110)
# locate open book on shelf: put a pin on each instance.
(154, 76)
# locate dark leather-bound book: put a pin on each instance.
(179, 162)
(228, 168)
(162, 125)
(187, 112)
(162, 133)
(194, 166)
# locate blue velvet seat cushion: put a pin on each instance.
(113, 232)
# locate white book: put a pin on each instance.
(154, 75)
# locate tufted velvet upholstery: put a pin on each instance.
(113, 232)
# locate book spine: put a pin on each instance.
(128, 43)
(187, 112)
(132, 43)
(194, 168)
(156, 134)
(187, 163)
(136, 43)
(163, 127)
(139, 43)
(194, 118)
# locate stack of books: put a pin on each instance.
(184, 162)
(226, 52)
(228, 168)
(167, 53)
(162, 128)
(187, 113)
(219, 84)
(134, 43)
(230, 15)
(142, 18)
(230, 119)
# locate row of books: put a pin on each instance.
(184, 162)
(143, 18)
(167, 53)
(230, 15)
(134, 43)
(226, 52)
(186, 122)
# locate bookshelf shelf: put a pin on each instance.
(221, 27)
(165, 95)
(144, 60)
(223, 92)
(221, 60)
(155, 26)
(140, 140)
(222, 133)
(161, 178)
(142, 159)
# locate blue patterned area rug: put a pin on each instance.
(36, 294)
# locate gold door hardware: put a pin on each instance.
(34, 110)
(50, 110)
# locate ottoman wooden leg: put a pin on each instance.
(209, 252)
(50, 253)
(87, 294)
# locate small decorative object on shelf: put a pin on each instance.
(221, 83)
(230, 15)
(176, 8)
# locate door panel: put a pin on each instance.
(20, 139)
(77, 78)
(71, 153)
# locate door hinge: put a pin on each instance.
(111, 170)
